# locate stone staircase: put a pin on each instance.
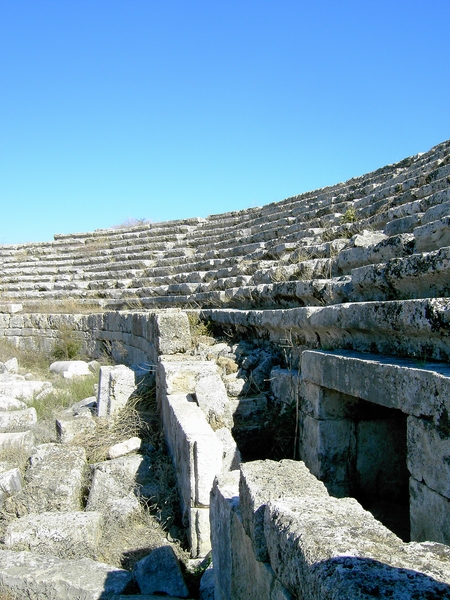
(382, 236)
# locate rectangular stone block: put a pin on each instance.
(392, 382)
(237, 573)
(429, 455)
(323, 403)
(332, 548)
(429, 514)
(328, 449)
(262, 481)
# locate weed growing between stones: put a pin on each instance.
(349, 216)
(68, 346)
(65, 393)
(199, 327)
(29, 360)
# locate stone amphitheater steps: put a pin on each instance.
(298, 250)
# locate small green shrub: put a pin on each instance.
(349, 216)
(68, 346)
(199, 327)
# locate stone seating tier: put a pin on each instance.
(240, 256)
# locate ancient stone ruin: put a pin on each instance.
(300, 353)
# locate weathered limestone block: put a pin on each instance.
(35, 577)
(160, 573)
(403, 224)
(22, 441)
(262, 481)
(391, 382)
(54, 478)
(429, 514)
(237, 573)
(212, 398)
(433, 235)
(196, 451)
(429, 455)
(19, 420)
(25, 390)
(177, 375)
(9, 403)
(171, 331)
(116, 385)
(335, 549)
(70, 368)
(436, 212)
(199, 532)
(74, 428)
(231, 457)
(12, 365)
(114, 486)
(328, 448)
(68, 534)
(125, 447)
(284, 385)
(10, 483)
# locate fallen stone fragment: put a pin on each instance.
(10, 403)
(26, 390)
(17, 419)
(10, 481)
(125, 447)
(23, 441)
(36, 577)
(160, 573)
(12, 366)
(55, 478)
(70, 368)
(68, 534)
(69, 430)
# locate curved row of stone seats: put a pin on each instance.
(226, 259)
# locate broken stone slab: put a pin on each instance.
(70, 368)
(36, 577)
(10, 403)
(115, 484)
(20, 441)
(26, 390)
(12, 365)
(55, 478)
(338, 550)
(262, 481)
(116, 385)
(78, 407)
(18, 420)
(212, 398)
(74, 428)
(68, 534)
(231, 456)
(10, 481)
(125, 447)
(160, 573)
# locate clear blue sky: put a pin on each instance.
(166, 109)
